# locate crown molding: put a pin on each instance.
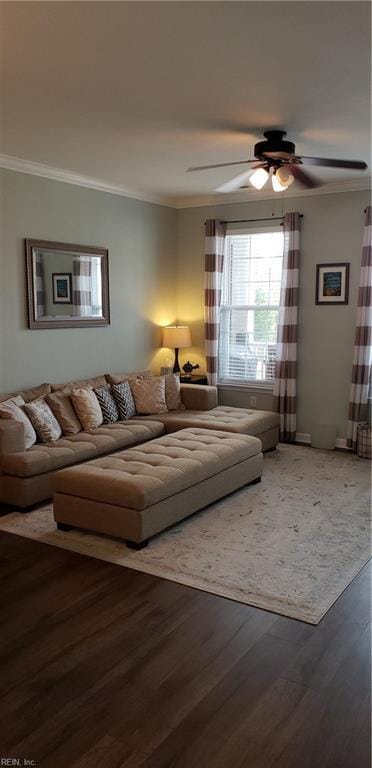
(250, 195)
(68, 177)
(192, 201)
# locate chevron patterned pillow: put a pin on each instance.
(124, 400)
(110, 411)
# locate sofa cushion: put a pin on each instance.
(116, 378)
(28, 394)
(44, 421)
(229, 419)
(61, 405)
(36, 392)
(44, 458)
(8, 396)
(13, 409)
(199, 397)
(149, 395)
(12, 437)
(87, 408)
(78, 448)
(97, 381)
(154, 471)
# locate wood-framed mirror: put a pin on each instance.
(67, 285)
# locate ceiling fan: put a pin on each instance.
(277, 157)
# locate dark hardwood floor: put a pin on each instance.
(106, 667)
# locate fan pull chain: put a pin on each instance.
(273, 204)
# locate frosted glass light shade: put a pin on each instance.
(282, 179)
(259, 178)
(176, 336)
(277, 187)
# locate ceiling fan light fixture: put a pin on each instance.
(282, 179)
(259, 178)
(277, 187)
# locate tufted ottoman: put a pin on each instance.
(138, 492)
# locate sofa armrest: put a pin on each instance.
(12, 436)
(197, 397)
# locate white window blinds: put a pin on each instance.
(250, 307)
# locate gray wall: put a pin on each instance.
(332, 230)
(141, 241)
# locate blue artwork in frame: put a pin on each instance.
(332, 283)
(62, 287)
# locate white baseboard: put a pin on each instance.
(341, 443)
(305, 439)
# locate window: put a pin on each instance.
(250, 307)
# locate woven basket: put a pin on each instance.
(364, 441)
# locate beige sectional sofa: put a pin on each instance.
(26, 476)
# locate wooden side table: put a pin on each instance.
(194, 379)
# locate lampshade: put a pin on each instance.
(176, 336)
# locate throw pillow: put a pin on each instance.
(43, 420)
(124, 400)
(12, 409)
(173, 392)
(149, 395)
(108, 405)
(87, 408)
(61, 405)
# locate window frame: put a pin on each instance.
(258, 385)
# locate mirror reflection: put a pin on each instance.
(67, 284)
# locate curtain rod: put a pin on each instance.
(247, 221)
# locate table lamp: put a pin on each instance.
(176, 337)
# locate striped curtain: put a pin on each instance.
(362, 359)
(286, 353)
(82, 285)
(40, 286)
(214, 256)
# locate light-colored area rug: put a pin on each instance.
(290, 544)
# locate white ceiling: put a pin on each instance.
(135, 93)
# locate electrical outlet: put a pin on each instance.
(253, 401)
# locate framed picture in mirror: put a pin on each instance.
(67, 285)
(62, 287)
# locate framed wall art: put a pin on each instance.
(332, 283)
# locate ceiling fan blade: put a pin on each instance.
(302, 177)
(237, 181)
(219, 165)
(334, 163)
